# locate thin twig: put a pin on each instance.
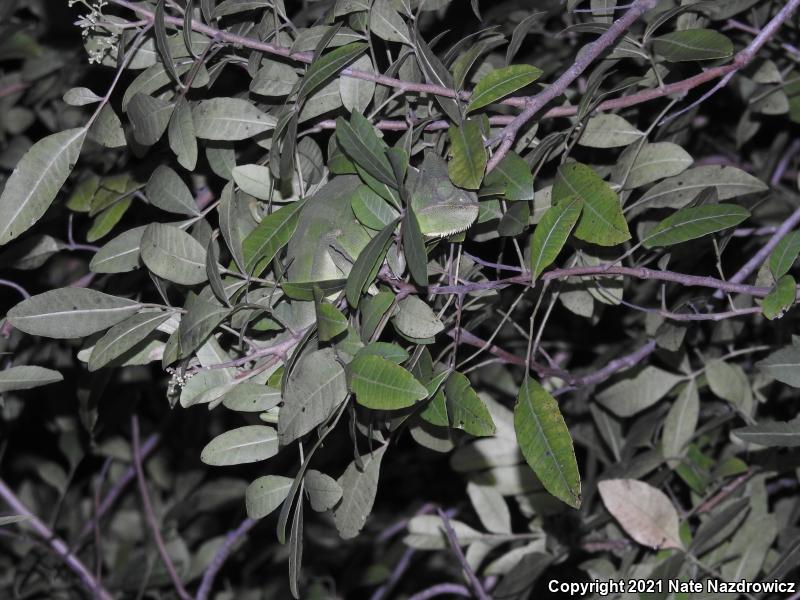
(623, 362)
(441, 589)
(480, 593)
(585, 58)
(56, 543)
(116, 491)
(150, 514)
(233, 537)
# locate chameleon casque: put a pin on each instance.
(329, 237)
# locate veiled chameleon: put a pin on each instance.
(442, 209)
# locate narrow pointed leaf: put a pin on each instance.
(499, 83)
(382, 385)
(36, 180)
(694, 222)
(551, 234)
(545, 442)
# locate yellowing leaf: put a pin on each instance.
(645, 513)
(545, 442)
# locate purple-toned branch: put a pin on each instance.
(15, 286)
(150, 514)
(441, 589)
(607, 270)
(233, 537)
(618, 364)
(116, 491)
(480, 593)
(763, 254)
(56, 543)
(585, 58)
(676, 88)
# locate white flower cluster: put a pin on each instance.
(178, 381)
(95, 21)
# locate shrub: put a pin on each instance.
(449, 298)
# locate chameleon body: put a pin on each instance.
(442, 209)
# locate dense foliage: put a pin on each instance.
(401, 298)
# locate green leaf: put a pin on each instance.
(229, 225)
(255, 180)
(104, 222)
(415, 318)
(173, 254)
(638, 391)
(545, 442)
(693, 44)
(274, 79)
(780, 298)
(499, 83)
(326, 66)
(645, 512)
(230, 119)
(314, 388)
(465, 409)
(469, 155)
(198, 322)
(387, 24)
(266, 494)
(360, 142)
(678, 191)
(491, 507)
(251, 397)
(436, 73)
(694, 222)
(357, 93)
(608, 131)
(323, 491)
(552, 232)
(783, 256)
(167, 191)
(371, 209)
(639, 165)
(70, 312)
(37, 178)
(124, 336)
(330, 321)
(602, 221)
(680, 424)
(359, 484)
(162, 42)
(248, 444)
(771, 433)
(367, 264)
(24, 377)
(272, 234)
(513, 176)
(414, 248)
(783, 365)
(181, 135)
(149, 117)
(383, 385)
(119, 255)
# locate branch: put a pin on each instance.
(607, 270)
(471, 577)
(308, 57)
(623, 362)
(151, 515)
(440, 589)
(586, 57)
(116, 491)
(207, 583)
(471, 339)
(56, 543)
